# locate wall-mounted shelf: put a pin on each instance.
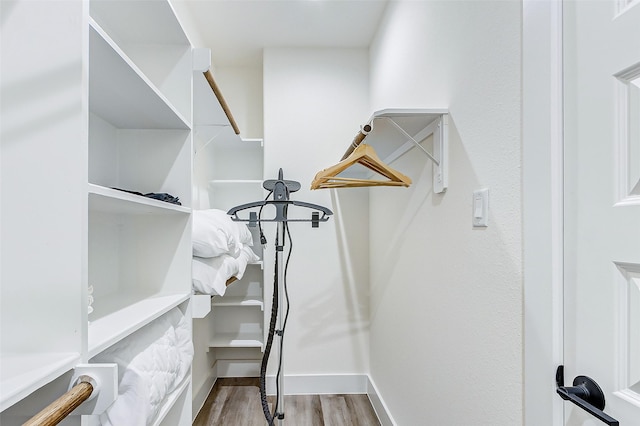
(110, 200)
(238, 301)
(116, 319)
(394, 132)
(237, 340)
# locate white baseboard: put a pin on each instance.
(335, 384)
(201, 396)
(378, 404)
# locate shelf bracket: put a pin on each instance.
(412, 139)
(105, 380)
(102, 377)
(440, 156)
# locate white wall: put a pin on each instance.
(242, 89)
(446, 299)
(314, 103)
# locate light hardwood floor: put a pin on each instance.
(236, 402)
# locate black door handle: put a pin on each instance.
(586, 394)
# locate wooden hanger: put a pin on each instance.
(366, 156)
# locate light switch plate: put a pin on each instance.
(480, 208)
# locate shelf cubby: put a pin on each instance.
(158, 47)
(235, 327)
(121, 93)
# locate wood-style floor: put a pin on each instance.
(236, 402)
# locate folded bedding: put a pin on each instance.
(215, 234)
(221, 250)
(210, 275)
(152, 363)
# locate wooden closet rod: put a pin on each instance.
(55, 412)
(357, 140)
(223, 103)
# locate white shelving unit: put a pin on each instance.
(42, 204)
(140, 140)
(115, 112)
(229, 172)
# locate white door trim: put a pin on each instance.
(542, 136)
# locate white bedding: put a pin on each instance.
(152, 363)
(221, 250)
(210, 275)
(215, 234)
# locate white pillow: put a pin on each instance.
(210, 275)
(246, 256)
(245, 234)
(215, 234)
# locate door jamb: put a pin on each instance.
(542, 163)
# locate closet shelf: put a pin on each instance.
(24, 373)
(121, 93)
(223, 138)
(394, 132)
(237, 340)
(120, 321)
(238, 301)
(130, 21)
(110, 200)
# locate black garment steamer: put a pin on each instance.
(280, 190)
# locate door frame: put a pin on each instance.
(542, 186)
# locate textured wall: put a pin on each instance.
(314, 102)
(446, 302)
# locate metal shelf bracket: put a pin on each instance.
(438, 127)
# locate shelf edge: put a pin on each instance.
(94, 348)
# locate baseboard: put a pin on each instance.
(200, 397)
(378, 404)
(320, 384)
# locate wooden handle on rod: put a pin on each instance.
(357, 140)
(223, 103)
(55, 412)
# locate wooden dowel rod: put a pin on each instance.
(357, 140)
(223, 103)
(55, 412)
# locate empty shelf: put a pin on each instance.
(236, 340)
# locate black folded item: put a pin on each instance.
(162, 196)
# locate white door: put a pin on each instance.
(602, 204)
